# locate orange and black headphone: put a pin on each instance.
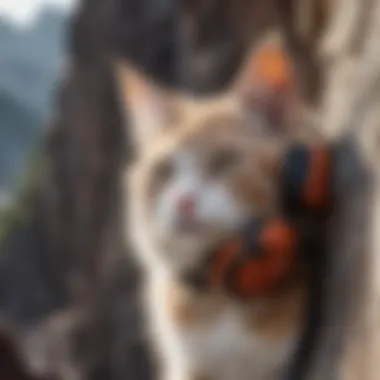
(266, 253)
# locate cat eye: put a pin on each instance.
(222, 162)
(163, 171)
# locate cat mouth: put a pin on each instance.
(189, 227)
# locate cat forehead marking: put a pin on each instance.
(198, 125)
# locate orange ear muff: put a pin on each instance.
(254, 274)
(256, 264)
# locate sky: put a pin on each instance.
(23, 11)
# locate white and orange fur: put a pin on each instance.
(203, 167)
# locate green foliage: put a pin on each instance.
(20, 131)
(19, 211)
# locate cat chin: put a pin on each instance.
(182, 253)
(192, 241)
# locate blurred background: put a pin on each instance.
(69, 290)
(32, 55)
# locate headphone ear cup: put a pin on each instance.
(307, 181)
(294, 176)
(318, 188)
(256, 274)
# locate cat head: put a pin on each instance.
(205, 166)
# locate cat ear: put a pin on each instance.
(148, 108)
(267, 85)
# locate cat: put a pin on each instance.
(203, 168)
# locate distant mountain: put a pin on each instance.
(20, 130)
(31, 58)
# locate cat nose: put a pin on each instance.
(186, 205)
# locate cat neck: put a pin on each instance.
(273, 315)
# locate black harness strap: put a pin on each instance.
(315, 256)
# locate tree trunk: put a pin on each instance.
(350, 102)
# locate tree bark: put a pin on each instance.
(350, 102)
